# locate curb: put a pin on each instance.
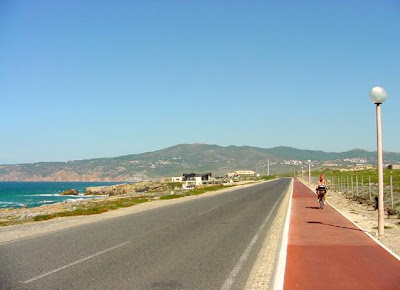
(364, 231)
(279, 276)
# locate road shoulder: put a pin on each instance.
(264, 272)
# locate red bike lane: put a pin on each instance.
(326, 251)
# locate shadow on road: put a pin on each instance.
(347, 228)
(313, 207)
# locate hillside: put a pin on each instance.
(175, 160)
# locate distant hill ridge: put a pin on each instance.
(181, 158)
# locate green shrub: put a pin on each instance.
(43, 217)
(268, 177)
(171, 196)
(173, 185)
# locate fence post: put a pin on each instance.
(334, 182)
(338, 183)
(341, 183)
(356, 185)
(391, 190)
(352, 186)
(369, 187)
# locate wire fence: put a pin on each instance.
(364, 189)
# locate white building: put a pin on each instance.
(192, 180)
(245, 173)
(177, 179)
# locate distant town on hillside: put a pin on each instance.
(175, 160)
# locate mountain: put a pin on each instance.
(175, 160)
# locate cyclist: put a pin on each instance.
(321, 188)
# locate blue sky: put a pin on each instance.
(87, 79)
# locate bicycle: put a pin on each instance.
(321, 191)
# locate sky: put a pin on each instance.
(90, 79)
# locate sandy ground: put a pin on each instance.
(366, 218)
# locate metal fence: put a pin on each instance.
(361, 187)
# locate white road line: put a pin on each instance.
(231, 278)
(76, 262)
(207, 211)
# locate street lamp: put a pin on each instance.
(309, 170)
(378, 96)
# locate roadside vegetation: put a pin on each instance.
(267, 177)
(196, 191)
(95, 207)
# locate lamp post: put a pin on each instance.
(309, 170)
(378, 96)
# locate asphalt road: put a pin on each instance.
(207, 243)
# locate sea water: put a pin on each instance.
(33, 194)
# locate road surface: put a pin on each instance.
(206, 243)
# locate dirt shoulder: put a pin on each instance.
(366, 218)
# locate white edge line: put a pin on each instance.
(74, 263)
(231, 278)
(279, 277)
(364, 231)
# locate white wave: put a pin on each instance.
(45, 194)
(46, 201)
(7, 202)
(74, 199)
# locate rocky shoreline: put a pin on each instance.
(150, 189)
(141, 187)
(102, 197)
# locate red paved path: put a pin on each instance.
(326, 251)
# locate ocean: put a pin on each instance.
(33, 194)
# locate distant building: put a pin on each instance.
(393, 166)
(191, 180)
(177, 179)
(243, 173)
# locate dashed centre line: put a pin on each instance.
(76, 262)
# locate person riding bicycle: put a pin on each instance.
(321, 188)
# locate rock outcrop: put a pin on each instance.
(71, 191)
(141, 187)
